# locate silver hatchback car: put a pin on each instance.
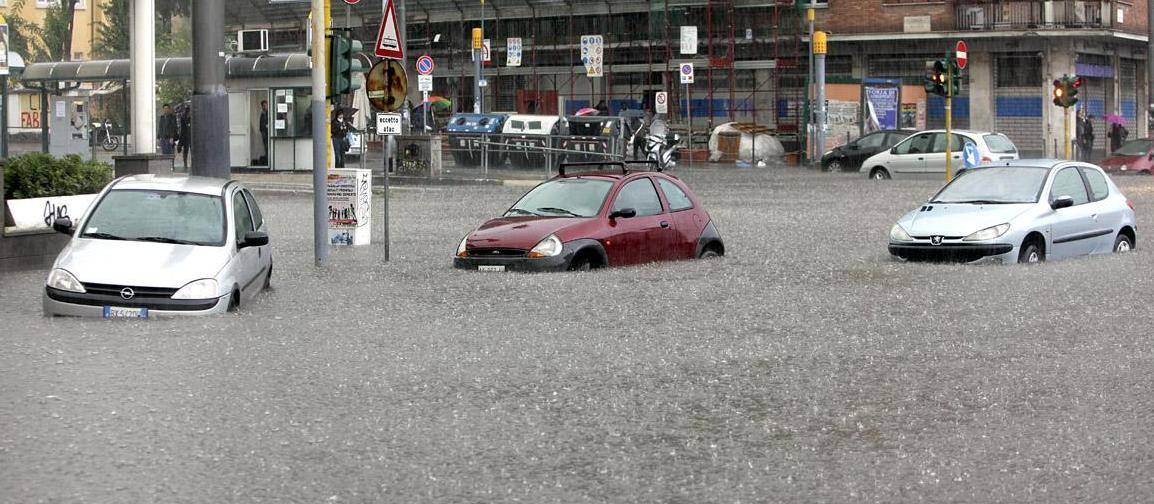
(155, 246)
(1021, 211)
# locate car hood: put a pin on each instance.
(519, 232)
(958, 220)
(140, 264)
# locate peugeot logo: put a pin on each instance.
(127, 293)
(935, 240)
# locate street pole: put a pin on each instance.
(689, 120)
(320, 137)
(949, 116)
(809, 17)
(1149, 67)
(4, 117)
(819, 52)
(210, 147)
(1066, 133)
(142, 40)
(478, 52)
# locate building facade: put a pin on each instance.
(89, 17)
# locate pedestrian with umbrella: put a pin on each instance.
(1118, 132)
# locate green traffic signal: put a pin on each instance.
(343, 63)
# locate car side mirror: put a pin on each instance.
(624, 213)
(255, 239)
(1062, 202)
(63, 225)
(893, 150)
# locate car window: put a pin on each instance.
(959, 142)
(1069, 183)
(675, 196)
(639, 195)
(871, 141)
(257, 217)
(917, 144)
(999, 144)
(1099, 189)
(242, 219)
(894, 138)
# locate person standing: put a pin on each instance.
(1118, 134)
(340, 134)
(184, 124)
(1086, 137)
(166, 130)
(264, 130)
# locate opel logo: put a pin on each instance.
(127, 293)
(935, 240)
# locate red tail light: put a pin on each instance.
(1130, 203)
(986, 159)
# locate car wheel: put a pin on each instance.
(709, 253)
(1123, 244)
(581, 263)
(268, 277)
(234, 301)
(833, 165)
(880, 174)
(1031, 253)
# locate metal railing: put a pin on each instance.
(1034, 15)
(528, 152)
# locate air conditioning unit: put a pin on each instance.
(252, 41)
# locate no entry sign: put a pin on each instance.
(960, 54)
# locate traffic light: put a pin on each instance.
(956, 83)
(1065, 91)
(935, 81)
(343, 63)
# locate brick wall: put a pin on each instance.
(1018, 114)
(875, 16)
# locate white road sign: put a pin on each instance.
(686, 73)
(661, 100)
(592, 55)
(513, 52)
(688, 40)
(486, 52)
(424, 83)
(388, 124)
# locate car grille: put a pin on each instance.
(140, 292)
(495, 252)
(153, 298)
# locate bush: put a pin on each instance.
(39, 175)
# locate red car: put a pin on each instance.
(582, 221)
(1135, 156)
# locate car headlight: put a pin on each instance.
(1123, 168)
(549, 247)
(461, 248)
(897, 233)
(205, 288)
(63, 280)
(989, 233)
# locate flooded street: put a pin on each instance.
(806, 365)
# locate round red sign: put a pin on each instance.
(960, 54)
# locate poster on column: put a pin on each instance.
(513, 52)
(350, 206)
(882, 99)
(592, 53)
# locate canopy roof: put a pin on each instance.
(277, 65)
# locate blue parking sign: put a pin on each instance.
(970, 156)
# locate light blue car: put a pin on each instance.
(1024, 211)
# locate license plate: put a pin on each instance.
(111, 312)
(491, 268)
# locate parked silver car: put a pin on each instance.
(1020, 211)
(154, 246)
(923, 154)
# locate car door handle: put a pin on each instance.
(921, 159)
(664, 224)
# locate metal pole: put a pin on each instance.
(44, 117)
(1066, 133)
(689, 134)
(1149, 67)
(809, 135)
(385, 204)
(210, 147)
(319, 127)
(4, 118)
(949, 117)
(142, 41)
(819, 87)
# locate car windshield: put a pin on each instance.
(158, 216)
(1134, 148)
(1000, 185)
(564, 197)
(999, 144)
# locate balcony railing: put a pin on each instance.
(1034, 15)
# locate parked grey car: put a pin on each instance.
(923, 154)
(1020, 211)
(155, 246)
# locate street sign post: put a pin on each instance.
(661, 101)
(389, 37)
(425, 65)
(686, 72)
(513, 52)
(688, 40)
(388, 125)
(960, 54)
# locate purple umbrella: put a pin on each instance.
(1115, 119)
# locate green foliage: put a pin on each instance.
(22, 35)
(39, 175)
(56, 34)
(113, 34)
(112, 37)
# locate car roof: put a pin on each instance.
(1036, 163)
(962, 131)
(195, 185)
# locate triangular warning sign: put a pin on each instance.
(389, 43)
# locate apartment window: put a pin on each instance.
(1018, 70)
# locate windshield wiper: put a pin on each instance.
(974, 202)
(102, 236)
(557, 210)
(162, 239)
(521, 211)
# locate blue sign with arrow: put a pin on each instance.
(970, 157)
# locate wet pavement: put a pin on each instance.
(807, 365)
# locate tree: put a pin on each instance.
(22, 37)
(56, 34)
(112, 36)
